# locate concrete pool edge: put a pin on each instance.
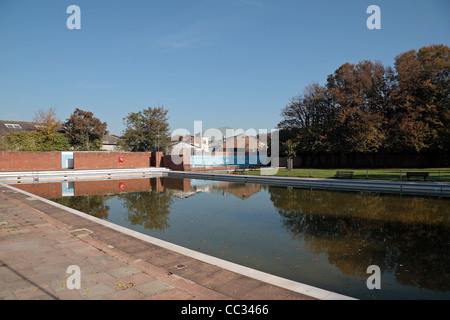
(406, 187)
(70, 175)
(304, 289)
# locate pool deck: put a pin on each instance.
(40, 239)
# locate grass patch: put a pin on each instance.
(435, 174)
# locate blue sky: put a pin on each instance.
(229, 63)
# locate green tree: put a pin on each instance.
(289, 148)
(21, 141)
(85, 131)
(36, 141)
(57, 142)
(147, 130)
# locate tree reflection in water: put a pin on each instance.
(406, 235)
(148, 208)
(93, 205)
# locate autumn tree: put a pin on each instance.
(47, 122)
(420, 101)
(147, 130)
(355, 94)
(307, 119)
(435, 91)
(369, 108)
(85, 131)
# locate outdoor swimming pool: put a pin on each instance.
(322, 238)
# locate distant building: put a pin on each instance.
(240, 144)
(7, 126)
(181, 147)
(110, 142)
(194, 144)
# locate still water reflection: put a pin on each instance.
(322, 238)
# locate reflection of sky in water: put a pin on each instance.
(322, 238)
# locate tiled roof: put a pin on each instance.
(18, 126)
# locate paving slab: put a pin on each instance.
(153, 287)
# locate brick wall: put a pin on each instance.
(39, 161)
(184, 166)
(29, 161)
(157, 159)
(111, 160)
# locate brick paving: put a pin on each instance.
(38, 242)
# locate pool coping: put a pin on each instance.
(66, 175)
(407, 187)
(307, 290)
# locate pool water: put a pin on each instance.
(325, 239)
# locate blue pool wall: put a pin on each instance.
(224, 160)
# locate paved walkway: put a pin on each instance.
(38, 242)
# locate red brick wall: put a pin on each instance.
(110, 160)
(29, 161)
(157, 159)
(184, 166)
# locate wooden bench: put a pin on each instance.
(425, 175)
(344, 174)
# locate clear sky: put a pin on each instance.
(229, 63)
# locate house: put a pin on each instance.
(194, 144)
(240, 144)
(201, 142)
(110, 142)
(182, 147)
(7, 126)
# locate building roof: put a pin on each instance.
(17, 126)
(110, 139)
(241, 141)
(184, 145)
(20, 126)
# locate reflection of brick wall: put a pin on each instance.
(83, 188)
(45, 190)
(29, 161)
(110, 160)
(177, 184)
